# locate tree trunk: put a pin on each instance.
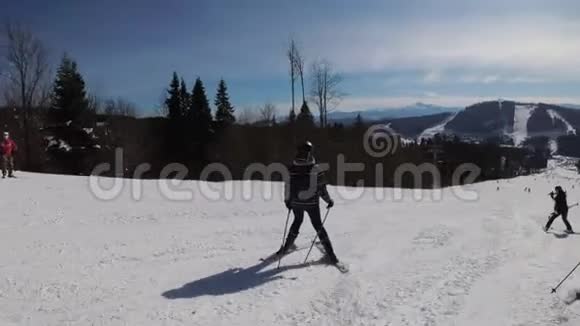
(302, 81)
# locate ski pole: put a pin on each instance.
(573, 205)
(316, 237)
(565, 278)
(284, 237)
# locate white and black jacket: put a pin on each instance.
(306, 184)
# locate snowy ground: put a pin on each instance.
(437, 129)
(522, 114)
(555, 115)
(70, 259)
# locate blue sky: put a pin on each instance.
(390, 53)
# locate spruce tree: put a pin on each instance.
(305, 118)
(224, 115)
(173, 100)
(199, 115)
(184, 98)
(69, 98)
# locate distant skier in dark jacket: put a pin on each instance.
(560, 208)
(302, 194)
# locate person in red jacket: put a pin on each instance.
(7, 149)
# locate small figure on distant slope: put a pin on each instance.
(7, 149)
(302, 194)
(560, 208)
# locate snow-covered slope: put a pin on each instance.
(70, 259)
(555, 115)
(522, 114)
(440, 128)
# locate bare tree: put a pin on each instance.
(26, 70)
(161, 108)
(292, 53)
(247, 115)
(299, 64)
(120, 107)
(267, 114)
(325, 90)
(94, 104)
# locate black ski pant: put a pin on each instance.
(564, 214)
(314, 213)
(7, 165)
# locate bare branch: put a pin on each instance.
(325, 88)
(291, 54)
(267, 113)
(120, 107)
(27, 67)
(26, 73)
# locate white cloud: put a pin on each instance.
(544, 46)
(490, 79)
(431, 94)
(432, 77)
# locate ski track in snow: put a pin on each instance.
(522, 114)
(70, 259)
(430, 132)
(555, 115)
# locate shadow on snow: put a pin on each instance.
(233, 280)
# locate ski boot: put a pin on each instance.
(330, 259)
(286, 250)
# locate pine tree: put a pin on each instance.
(305, 117)
(184, 98)
(175, 134)
(224, 115)
(199, 115)
(69, 98)
(173, 100)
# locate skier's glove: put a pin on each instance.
(330, 204)
(287, 202)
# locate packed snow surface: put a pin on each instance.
(522, 114)
(555, 115)
(69, 258)
(437, 129)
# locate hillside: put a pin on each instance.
(509, 122)
(372, 115)
(70, 259)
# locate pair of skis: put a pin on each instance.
(342, 267)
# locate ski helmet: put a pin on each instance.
(305, 147)
(304, 150)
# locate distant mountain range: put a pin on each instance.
(504, 119)
(415, 110)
